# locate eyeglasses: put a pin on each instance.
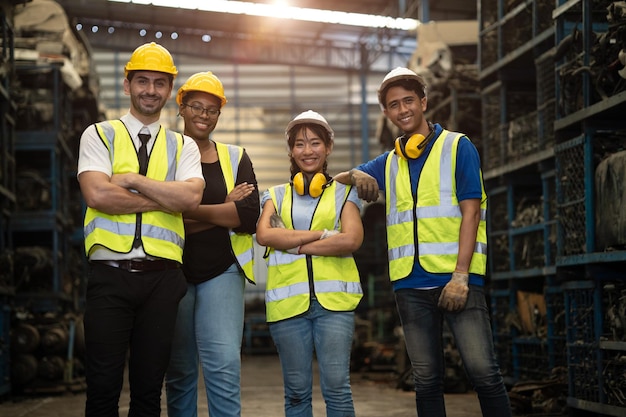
(199, 110)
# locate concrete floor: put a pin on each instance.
(374, 395)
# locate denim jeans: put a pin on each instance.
(422, 322)
(209, 327)
(330, 334)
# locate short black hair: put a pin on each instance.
(409, 84)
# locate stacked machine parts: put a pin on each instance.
(553, 80)
(48, 95)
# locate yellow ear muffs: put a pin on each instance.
(313, 188)
(318, 182)
(298, 183)
(414, 146)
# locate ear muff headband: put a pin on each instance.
(314, 188)
(414, 146)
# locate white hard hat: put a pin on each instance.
(310, 116)
(397, 74)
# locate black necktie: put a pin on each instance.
(143, 153)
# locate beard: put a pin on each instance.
(148, 105)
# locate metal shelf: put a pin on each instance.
(7, 190)
(524, 273)
(565, 7)
(38, 221)
(591, 258)
(613, 345)
(43, 140)
(43, 302)
(608, 410)
(533, 159)
(8, 194)
(525, 51)
(578, 279)
(610, 108)
(46, 150)
(508, 16)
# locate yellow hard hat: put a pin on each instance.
(206, 82)
(151, 57)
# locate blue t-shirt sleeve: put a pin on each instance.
(353, 196)
(468, 176)
(264, 197)
(376, 168)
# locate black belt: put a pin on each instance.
(140, 265)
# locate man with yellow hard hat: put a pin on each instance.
(137, 178)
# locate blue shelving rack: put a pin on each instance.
(517, 83)
(45, 146)
(550, 169)
(7, 192)
(590, 134)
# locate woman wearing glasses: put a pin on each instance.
(217, 261)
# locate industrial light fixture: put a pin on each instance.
(284, 12)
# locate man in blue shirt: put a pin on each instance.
(437, 244)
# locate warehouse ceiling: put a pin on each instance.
(249, 39)
(271, 69)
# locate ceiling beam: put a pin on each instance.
(322, 54)
(241, 39)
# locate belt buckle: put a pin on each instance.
(135, 265)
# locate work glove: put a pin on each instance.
(276, 221)
(325, 234)
(366, 185)
(454, 295)
(329, 233)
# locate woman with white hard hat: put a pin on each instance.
(311, 226)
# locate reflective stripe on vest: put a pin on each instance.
(162, 234)
(241, 243)
(400, 211)
(438, 214)
(336, 280)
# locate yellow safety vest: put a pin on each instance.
(162, 234)
(432, 218)
(241, 243)
(293, 279)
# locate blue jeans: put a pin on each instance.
(422, 322)
(209, 327)
(330, 334)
